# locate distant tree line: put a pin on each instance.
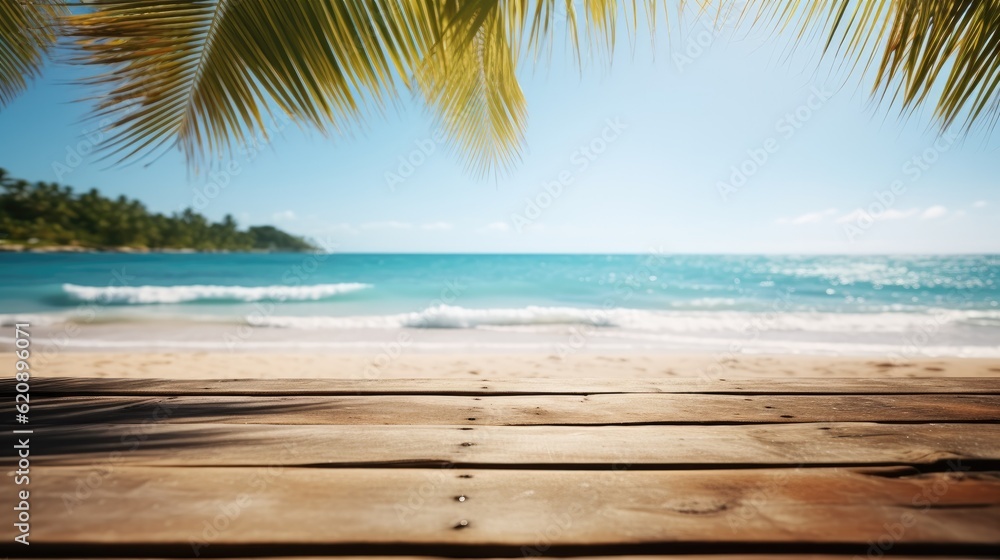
(50, 214)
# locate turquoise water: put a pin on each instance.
(814, 298)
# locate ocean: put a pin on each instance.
(843, 305)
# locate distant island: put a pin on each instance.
(49, 217)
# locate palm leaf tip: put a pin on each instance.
(942, 51)
(27, 31)
(204, 74)
(470, 82)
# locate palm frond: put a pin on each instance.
(203, 74)
(27, 30)
(918, 49)
(469, 77)
(469, 80)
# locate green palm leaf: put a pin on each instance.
(470, 82)
(919, 50)
(27, 30)
(204, 74)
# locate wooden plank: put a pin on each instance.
(284, 508)
(771, 556)
(635, 447)
(333, 387)
(637, 408)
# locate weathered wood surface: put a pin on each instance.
(633, 408)
(782, 469)
(637, 557)
(333, 387)
(605, 447)
(507, 507)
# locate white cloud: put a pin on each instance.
(935, 211)
(893, 214)
(850, 216)
(932, 212)
(890, 214)
(808, 217)
(495, 227)
(286, 216)
(335, 229)
(437, 226)
(980, 204)
(386, 225)
(929, 213)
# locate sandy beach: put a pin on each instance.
(197, 365)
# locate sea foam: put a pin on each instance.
(139, 295)
(740, 323)
(446, 317)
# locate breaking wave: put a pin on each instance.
(146, 295)
(452, 317)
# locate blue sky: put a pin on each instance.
(706, 143)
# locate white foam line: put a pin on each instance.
(679, 344)
(138, 295)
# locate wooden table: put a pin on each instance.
(490, 468)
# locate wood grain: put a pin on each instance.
(584, 386)
(643, 557)
(446, 468)
(522, 447)
(638, 408)
(254, 506)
